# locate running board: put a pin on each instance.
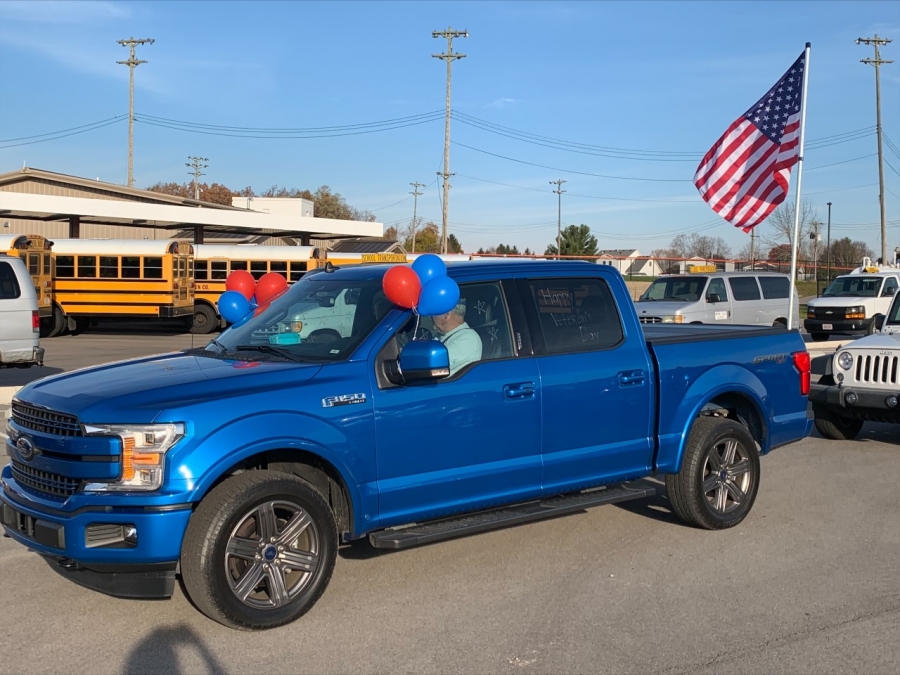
(527, 512)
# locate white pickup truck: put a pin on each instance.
(862, 382)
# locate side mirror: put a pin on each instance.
(420, 360)
(888, 292)
(879, 322)
(713, 298)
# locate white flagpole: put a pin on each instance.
(796, 240)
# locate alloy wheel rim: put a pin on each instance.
(727, 477)
(272, 554)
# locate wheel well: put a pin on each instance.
(311, 468)
(741, 409)
(207, 303)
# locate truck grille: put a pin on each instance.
(651, 319)
(43, 482)
(877, 369)
(45, 421)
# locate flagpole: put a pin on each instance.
(796, 241)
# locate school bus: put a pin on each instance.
(35, 251)
(214, 262)
(123, 278)
(339, 259)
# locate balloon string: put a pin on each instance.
(416, 329)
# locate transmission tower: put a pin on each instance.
(196, 164)
(132, 63)
(449, 56)
(415, 193)
(558, 191)
(877, 62)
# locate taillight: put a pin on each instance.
(176, 286)
(801, 363)
(35, 321)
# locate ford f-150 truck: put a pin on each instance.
(861, 382)
(242, 466)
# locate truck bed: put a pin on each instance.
(665, 334)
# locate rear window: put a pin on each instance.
(744, 288)
(775, 287)
(9, 285)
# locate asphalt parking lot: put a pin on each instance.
(809, 583)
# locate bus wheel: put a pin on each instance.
(205, 320)
(59, 323)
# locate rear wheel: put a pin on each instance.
(876, 322)
(834, 426)
(259, 550)
(719, 476)
(205, 320)
(60, 323)
(780, 322)
(819, 337)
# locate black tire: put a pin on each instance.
(212, 573)
(46, 326)
(204, 321)
(780, 322)
(835, 427)
(60, 323)
(819, 337)
(705, 458)
(870, 329)
(82, 323)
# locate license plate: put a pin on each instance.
(827, 326)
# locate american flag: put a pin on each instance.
(745, 175)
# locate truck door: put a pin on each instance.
(466, 442)
(597, 400)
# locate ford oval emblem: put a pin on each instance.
(25, 448)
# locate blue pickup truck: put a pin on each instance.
(242, 466)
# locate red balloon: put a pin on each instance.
(402, 286)
(268, 286)
(242, 282)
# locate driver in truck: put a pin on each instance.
(463, 343)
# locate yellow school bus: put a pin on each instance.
(339, 259)
(124, 278)
(214, 262)
(35, 251)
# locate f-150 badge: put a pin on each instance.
(343, 399)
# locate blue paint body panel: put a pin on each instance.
(524, 425)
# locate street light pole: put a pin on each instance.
(829, 242)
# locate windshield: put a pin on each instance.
(853, 287)
(893, 317)
(683, 289)
(318, 319)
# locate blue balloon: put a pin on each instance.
(240, 322)
(438, 296)
(233, 306)
(253, 303)
(428, 267)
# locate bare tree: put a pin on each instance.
(698, 246)
(781, 227)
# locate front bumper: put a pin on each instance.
(843, 326)
(870, 404)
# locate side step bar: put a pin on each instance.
(527, 512)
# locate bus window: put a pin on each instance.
(65, 266)
(258, 268)
(191, 267)
(87, 266)
(109, 267)
(182, 267)
(219, 269)
(34, 264)
(131, 267)
(279, 266)
(46, 263)
(201, 270)
(238, 265)
(153, 268)
(297, 270)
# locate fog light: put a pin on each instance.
(839, 377)
(851, 398)
(891, 401)
(111, 535)
(131, 534)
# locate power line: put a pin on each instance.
(434, 114)
(83, 130)
(855, 159)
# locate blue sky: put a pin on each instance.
(665, 77)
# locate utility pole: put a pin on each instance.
(415, 193)
(753, 249)
(558, 191)
(132, 63)
(877, 62)
(828, 242)
(196, 164)
(449, 57)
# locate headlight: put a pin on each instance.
(144, 448)
(845, 360)
(855, 313)
(672, 318)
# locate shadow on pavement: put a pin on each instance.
(158, 653)
(18, 377)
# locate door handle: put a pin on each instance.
(519, 390)
(629, 378)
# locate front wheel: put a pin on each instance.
(819, 337)
(719, 476)
(836, 427)
(259, 550)
(874, 324)
(204, 321)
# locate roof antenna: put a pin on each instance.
(329, 268)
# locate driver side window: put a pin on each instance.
(717, 287)
(890, 287)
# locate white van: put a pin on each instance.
(757, 298)
(20, 324)
(854, 303)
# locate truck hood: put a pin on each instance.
(660, 307)
(888, 342)
(839, 301)
(138, 390)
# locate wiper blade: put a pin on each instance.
(269, 349)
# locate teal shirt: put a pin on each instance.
(464, 346)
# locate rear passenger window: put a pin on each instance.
(9, 285)
(576, 315)
(775, 288)
(153, 268)
(744, 288)
(87, 266)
